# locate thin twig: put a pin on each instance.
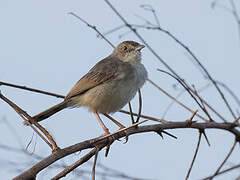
(93, 27)
(144, 116)
(178, 102)
(31, 89)
(224, 171)
(113, 30)
(131, 113)
(121, 130)
(230, 92)
(188, 90)
(190, 120)
(236, 16)
(151, 9)
(82, 160)
(181, 104)
(178, 95)
(94, 163)
(225, 160)
(171, 104)
(195, 155)
(202, 102)
(140, 105)
(26, 117)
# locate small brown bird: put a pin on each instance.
(108, 86)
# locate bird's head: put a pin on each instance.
(129, 51)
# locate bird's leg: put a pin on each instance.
(118, 124)
(105, 130)
(102, 124)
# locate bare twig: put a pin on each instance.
(181, 93)
(31, 89)
(93, 27)
(230, 92)
(140, 105)
(151, 9)
(184, 106)
(195, 155)
(202, 102)
(236, 16)
(130, 112)
(82, 160)
(190, 120)
(26, 117)
(178, 102)
(94, 163)
(224, 171)
(225, 160)
(144, 116)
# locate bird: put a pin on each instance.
(108, 86)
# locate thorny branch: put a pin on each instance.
(103, 172)
(34, 170)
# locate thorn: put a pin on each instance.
(107, 150)
(159, 132)
(203, 131)
(126, 137)
(190, 120)
(175, 137)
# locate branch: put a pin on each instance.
(224, 171)
(31, 89)
(34, 170)
(27, 118)
(225, 160)
(174, 99)
(195, 155)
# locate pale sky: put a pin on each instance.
(42, 46)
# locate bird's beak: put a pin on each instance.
(140, 47)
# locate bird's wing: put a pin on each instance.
(100, 73)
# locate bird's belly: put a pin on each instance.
(107, 98)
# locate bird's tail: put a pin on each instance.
(49, 112)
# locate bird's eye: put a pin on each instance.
(124, 48)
